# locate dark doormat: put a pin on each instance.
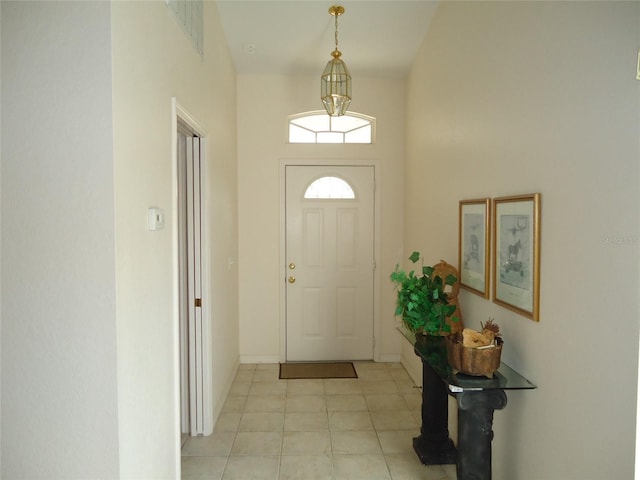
(293, 371)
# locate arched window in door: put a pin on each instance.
(318, 127)
(329, 187)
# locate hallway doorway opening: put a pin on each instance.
(191, 314)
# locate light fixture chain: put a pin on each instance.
(336, 18)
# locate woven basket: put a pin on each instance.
(473, 361)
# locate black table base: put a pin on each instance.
(477, 398)
(475, 432)
(433, 446)
(475, 427)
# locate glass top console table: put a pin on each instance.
(477, 399)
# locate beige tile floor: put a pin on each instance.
(333, 429)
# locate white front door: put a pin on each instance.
(330, 262)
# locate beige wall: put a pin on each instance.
(89, 337)
(517, 97)
(153, 61)
(59, 383)
(264, 102)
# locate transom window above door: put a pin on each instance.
(318, 127)
(329, 187)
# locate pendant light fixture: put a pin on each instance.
(335, 82)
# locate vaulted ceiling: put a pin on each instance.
(377, 38)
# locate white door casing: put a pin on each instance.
(191, 244)
(329, 253)
(185, 402)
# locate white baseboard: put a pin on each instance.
(254, 359)
(259, 359)
(219, 404)
(389, 358)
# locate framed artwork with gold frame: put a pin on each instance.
(516, 254)
(473, 245)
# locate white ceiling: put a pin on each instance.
(377, 38)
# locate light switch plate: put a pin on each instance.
(156, 218)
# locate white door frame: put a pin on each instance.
(342, 162)
(179, 114)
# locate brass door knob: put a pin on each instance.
(292, 279)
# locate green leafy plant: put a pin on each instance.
(422, 301)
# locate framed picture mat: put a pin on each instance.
(516, 254)
(473, 245)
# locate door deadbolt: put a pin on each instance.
(292, 279)
(292, 266)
